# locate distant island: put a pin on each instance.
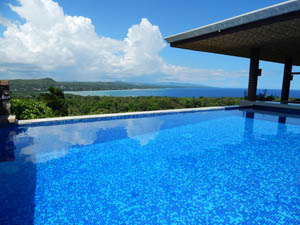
(42, 85)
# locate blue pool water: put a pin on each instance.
(214, 167)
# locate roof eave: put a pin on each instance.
(254, 16)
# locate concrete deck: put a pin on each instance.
(288, 108)
(245, 103)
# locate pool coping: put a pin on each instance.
(124, 115)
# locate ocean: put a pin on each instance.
(182, 92)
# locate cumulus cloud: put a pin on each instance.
(68, 47)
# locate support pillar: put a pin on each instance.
(254, 72)
(286, 83)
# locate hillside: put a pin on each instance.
(42, 85)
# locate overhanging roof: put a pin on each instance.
(275, 30)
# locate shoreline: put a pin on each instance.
(182, 92)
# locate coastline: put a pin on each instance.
(181, 92)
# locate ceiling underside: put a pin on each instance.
(276, 42)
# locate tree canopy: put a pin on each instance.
(55, 103)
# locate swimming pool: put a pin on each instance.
(214, 167)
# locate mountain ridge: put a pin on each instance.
(42, 85)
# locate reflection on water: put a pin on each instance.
(17, 179)
(7, 146)
(54, 141)
(40, 144)
(281, 120)
(51, 142)
(143, 130)
(281, 128)
(249, 119)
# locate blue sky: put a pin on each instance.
(121, 40)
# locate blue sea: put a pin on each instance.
(181, 92)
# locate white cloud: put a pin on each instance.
(68, 48)
(5, 22)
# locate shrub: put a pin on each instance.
(263, 96)
(30, 109)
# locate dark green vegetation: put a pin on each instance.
(42, 85)
(55, 103)
(55, 100)
(264, 97)
(30, 109)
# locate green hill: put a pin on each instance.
(42, 85)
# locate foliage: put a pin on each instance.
(73, 105)
(80, 105)
(263, 96)
(55, 99)
(30, 109)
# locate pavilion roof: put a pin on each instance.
(275, 30)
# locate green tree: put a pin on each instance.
(30, 109)
(264, 97)
(55, 99)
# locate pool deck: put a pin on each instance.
(274, 105)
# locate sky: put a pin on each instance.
(117, 40)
